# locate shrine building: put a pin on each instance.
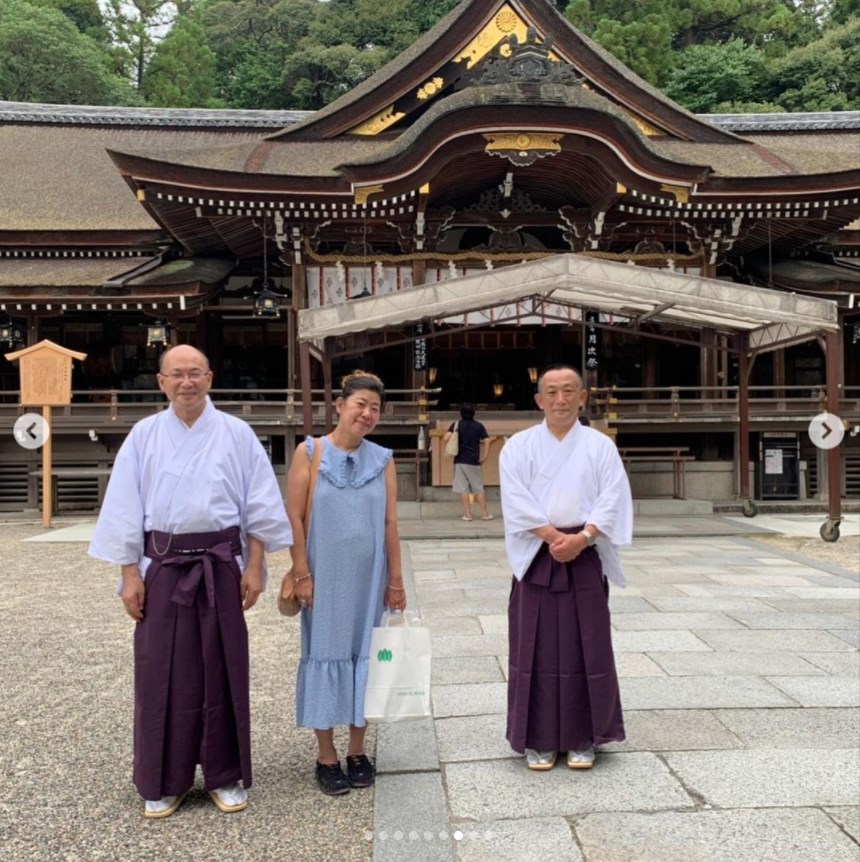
(502, 196)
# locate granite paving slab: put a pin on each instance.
(409, 812)
(811, 728)
(718, 590)
(407, 746)
(820, 691)
(848, 817)
(782, 641)
(460, 669)
(423, 576)
(492, 790)
(670, 621)
(456, 626)
(850, 607)
(494, 624)
(664, 641)
(751, 579)
(468, 645)
(781, 620)
(700, 692)
(852, 638)
(842, 592)
(735, 663)
(674, 730)
(636, 664)
(473, 737)
(760, 778)
(533, 840)
(621, 603)
(796, 835)
(469, 699)
(836, 663)
(709, 604)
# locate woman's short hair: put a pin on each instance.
(467, 411)
(359, 381)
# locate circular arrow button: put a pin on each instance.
(826, 430)
(31, 430)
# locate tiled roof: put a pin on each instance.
(794, 122)
(110, 115)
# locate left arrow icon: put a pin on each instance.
(31, 431)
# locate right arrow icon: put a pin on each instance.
(826, 431)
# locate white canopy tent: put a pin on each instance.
(771, 318)
(759, 320)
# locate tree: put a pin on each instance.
(45, 58)
(252, 40)
(181, 73)
(723, 75)
(823, 75)
(133, 25)
(317, 74)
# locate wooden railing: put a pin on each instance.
(124, 407)
(717, 403)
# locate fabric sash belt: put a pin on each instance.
(544, 571)
(196, 554)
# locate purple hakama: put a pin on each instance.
(562, 686)
(191, 673)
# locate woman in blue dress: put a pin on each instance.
(347, 569)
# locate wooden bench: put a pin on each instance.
(677, 456)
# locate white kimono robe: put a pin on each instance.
(202, 479)
(564, 483)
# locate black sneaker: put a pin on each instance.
(331, 779)
(360, 770)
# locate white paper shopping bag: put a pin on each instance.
(398, 681)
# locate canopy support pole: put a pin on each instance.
(830, 528)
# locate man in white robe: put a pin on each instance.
(567, 507)
(191, 508)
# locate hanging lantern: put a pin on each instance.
(11, 334)
(156, 333)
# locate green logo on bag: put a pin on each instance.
(385, 655)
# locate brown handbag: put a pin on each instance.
(288, 604)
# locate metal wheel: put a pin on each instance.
(749, 509)
(829, 531)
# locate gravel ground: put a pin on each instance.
(65, 714)
(844, 553)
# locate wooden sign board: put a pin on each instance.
(46, 373)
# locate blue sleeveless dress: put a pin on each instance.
(347, 556)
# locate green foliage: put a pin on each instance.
(132, 25)
(181, 73)
(317, 74)
(823, 75)
(44, 57)
(710, 75)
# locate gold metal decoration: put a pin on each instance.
(430, 89)
(141, 194)
(425, 189)
(523, 148)
(379, 123)
(492, 34)
(620, 189)
(507, 20)
(363, 193)
(681, 193)
(646, 128)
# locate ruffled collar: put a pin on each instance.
(355, 468)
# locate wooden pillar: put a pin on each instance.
(743, 419)
(834, 474)
(34, 329)
(779, 372)
(327, 393)
(294, 362)
(416, 379)
(708, 362)
(307, 405)
(649, 367)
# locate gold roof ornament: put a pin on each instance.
(523, 148)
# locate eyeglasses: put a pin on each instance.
(194, 374)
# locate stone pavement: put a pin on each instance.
(739, 675)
